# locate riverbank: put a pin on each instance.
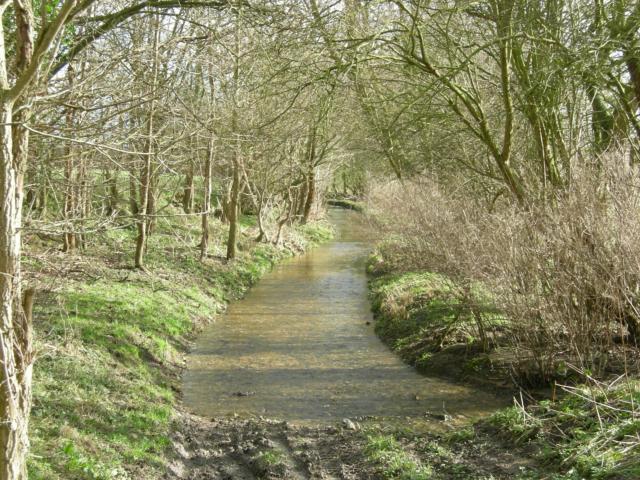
(111, 343)
(347, 203)
(421, 318)
(111, 340)
(580, 431)
(354, 449)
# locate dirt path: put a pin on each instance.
(247, 449)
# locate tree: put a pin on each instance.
(32, 53)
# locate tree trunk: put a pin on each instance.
(153, 199)
(70, 198)
(133, 195)
(206, 206)
(311, 195)
(83, 197)
(69, 204)
(112, 194)
(16, 350)
(602, 121)
(143, 222)
(301, 198)
(289, 210)
(187, 198)
(262, 234)
(232, 209)
(42, 191)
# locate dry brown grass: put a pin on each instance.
(565, 271)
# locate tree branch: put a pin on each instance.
(109, 22)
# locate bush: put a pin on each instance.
(564, 271)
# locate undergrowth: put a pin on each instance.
(592, 432)
(393, 460)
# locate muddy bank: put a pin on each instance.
(247, 449)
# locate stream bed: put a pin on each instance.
(301, 347)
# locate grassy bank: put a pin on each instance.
(590, 433)
(585, 432)
(111, 341)
(425, 320)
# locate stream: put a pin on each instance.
(301, 347)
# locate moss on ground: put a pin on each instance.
(111, 340)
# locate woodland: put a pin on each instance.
(493, 147)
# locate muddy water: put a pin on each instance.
(301, 347)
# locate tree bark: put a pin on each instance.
(187, 198)
(143, 223)
(262, 234)
(70, 198)
(286, 216)
(311, 195)
(301, 199)
(112, 195)
(69, 237)
(232, 209)
(206, 205)
(234, 197)
(16, 349)
(15, 333)
(133, 195)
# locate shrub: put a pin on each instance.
(564, 271)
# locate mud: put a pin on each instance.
(234, 448)
(260, 448)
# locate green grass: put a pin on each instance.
(592, 432)
(420, 314)
(271, 457)
(269, 464)
(393, 460)
(110, 343)
(410, 302)
(316, 232)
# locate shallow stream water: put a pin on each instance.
(301, 347)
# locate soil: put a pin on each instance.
(225, 449)
(233, 448)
